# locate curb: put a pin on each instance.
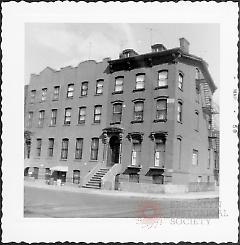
(193, 195)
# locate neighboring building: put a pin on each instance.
(140, 118)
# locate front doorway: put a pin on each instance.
(113, 150)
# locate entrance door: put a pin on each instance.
(114, 148)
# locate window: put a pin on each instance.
(159, 155)
(41, 118)
(64, 151)
(30, 119)
(161, 113)
(82, 115)
(134, 178)
(195, 157)
(99, 87)
(196, 121)
(138, 111)
(118, 85)
(32, 96)
(180, 81)
(67, 117)
(50, 147)
(84, 89)
(140, 78)
(97, 114)
(53, 117)
(94, 149)
(179, 149)
(179, 112)
(136, 152)
(197, 74)
(39, 146)
(158, 179)
(44, 94)
(199, 179)
(70, 90)
(117, 112)
(162, 78)
(76, 176)
(56, 91)
(209, 158)
(79, 148)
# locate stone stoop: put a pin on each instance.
(95, 181)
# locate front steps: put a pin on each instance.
(95, 181)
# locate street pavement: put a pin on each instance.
(41, 200)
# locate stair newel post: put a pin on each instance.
(105, 141)
(120, 148)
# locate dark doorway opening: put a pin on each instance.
(114, 149)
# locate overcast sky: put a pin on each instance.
(58, 45)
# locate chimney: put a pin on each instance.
(184, 44)
(158, 48)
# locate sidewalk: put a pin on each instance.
(76, 189)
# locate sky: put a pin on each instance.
(61, 44)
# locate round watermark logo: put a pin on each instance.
(149, 213)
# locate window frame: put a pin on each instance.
(195, 153)
(64, 149)
(139, 82)
(94, 151)
(117, 115)
(38, 147)
(56, 95)
(97, 114)
(180, 112)
(82, 108)
(196, 121)
(50, 147)
(159, 81)
(138, 113)
(53, 121)
(79, 148)
(30, 119)
(164, 111)
(33, 94)
(119, 78)
(41, 118)
(180, 83)
(84, 89)
(44, 94)
(70, 90)
(101, 82)
(66, 117)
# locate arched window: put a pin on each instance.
(180, 81)
(179, 111)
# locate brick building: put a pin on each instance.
(142, 119)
